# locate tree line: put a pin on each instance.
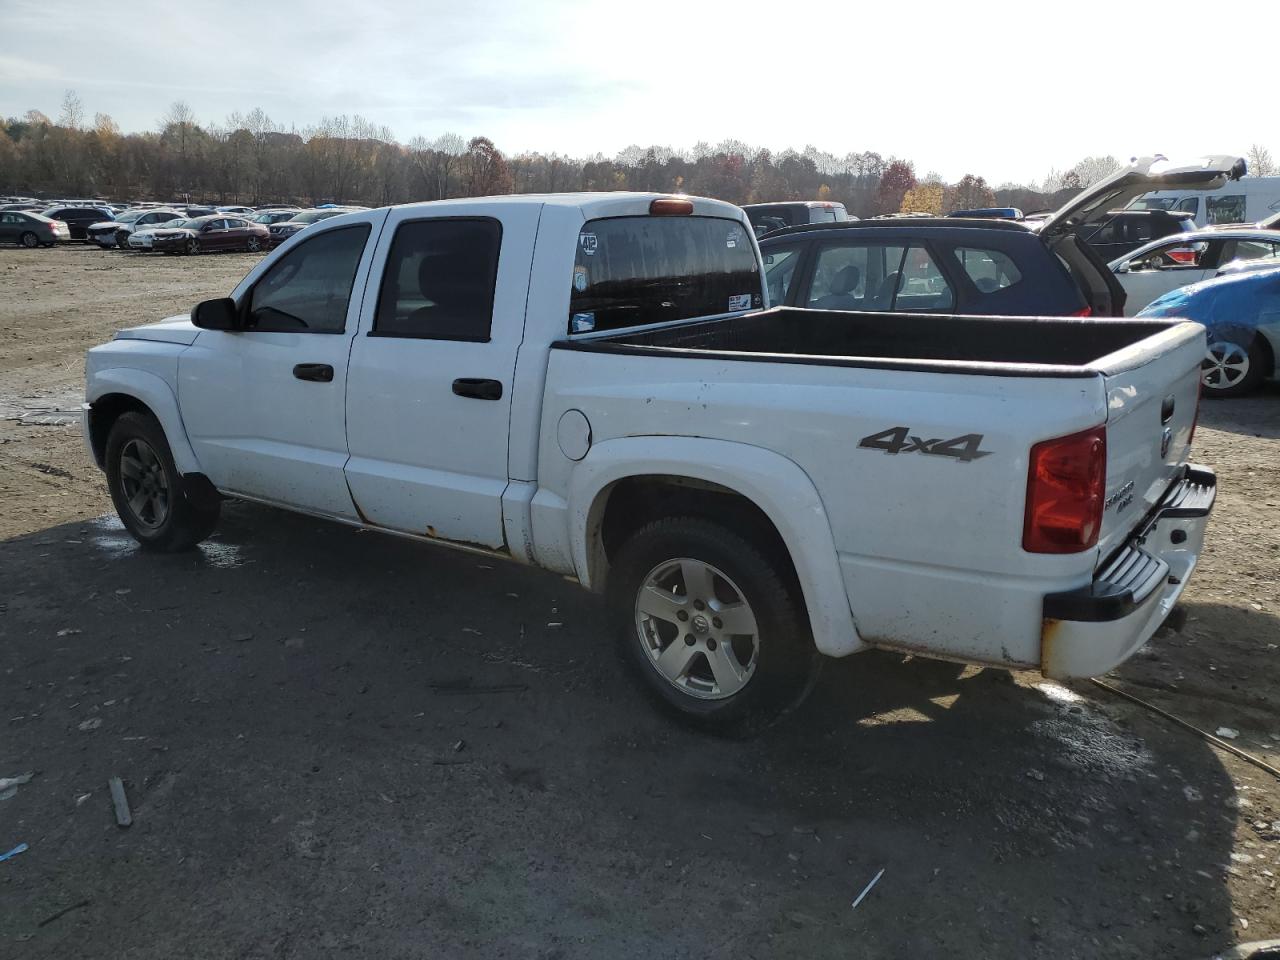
(252, 159)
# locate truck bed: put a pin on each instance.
(1013, 346)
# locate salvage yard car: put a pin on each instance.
(588, 383)
(30, 229)
(1155, 269)
(115, 233)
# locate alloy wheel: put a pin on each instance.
(1225, 364)
(697, 628)
(254, 245)
(144, 483)
(30, 241)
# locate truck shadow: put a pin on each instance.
(340, 725)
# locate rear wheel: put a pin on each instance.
(29, 240)
(710, 626)
(149, 494)
(1235, 363)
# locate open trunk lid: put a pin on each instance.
(1152, 391)
(1142, 176)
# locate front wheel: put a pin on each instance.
(193, 246)
(253, 245)
(711, 625)
(149, 494)
(1234, 364)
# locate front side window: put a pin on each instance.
(307, 290)
(1189, 205)
(1224, 209)
(440, 279)
(990, 270)
(856, 276)
(630, 271)
(779, 271)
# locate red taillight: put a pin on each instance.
(1086, 312)
(1066, 482)
(670, 207)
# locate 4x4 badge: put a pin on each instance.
(900, 440)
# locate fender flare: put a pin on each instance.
(775, 484)
(153, 391)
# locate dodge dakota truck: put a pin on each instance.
(594, 384)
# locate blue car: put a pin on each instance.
(1242, 313)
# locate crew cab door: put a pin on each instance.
(429, 390)
(264, 405)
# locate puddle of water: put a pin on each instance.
(111, 539)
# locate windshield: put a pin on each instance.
(130, 217)
(173, 224)
(1153, 203)
(638, 270)
(311, 216)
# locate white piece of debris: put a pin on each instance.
(1227, 733)
(867, 889)
(121, 803)
(9, 785)
(93, 723)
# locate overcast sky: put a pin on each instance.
(1005, 90)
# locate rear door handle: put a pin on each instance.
(478, 388)
(318, 372)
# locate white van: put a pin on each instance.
(1247, 200)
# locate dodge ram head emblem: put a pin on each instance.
(1166, 439)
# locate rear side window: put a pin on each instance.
(308, 289)
(440, 280)
(922, 287)
(630, 271)
(990, 270)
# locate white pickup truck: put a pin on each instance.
(592, 384)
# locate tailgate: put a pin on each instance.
(1152, 391)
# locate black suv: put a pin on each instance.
(1126, 230)
(957, 265)
(937, 265)
(77, 219)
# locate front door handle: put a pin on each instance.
(478, 388)
(318, 372)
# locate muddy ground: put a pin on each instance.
(313, 773)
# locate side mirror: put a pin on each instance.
(208, 227)
(218, 314)
(1123, 268)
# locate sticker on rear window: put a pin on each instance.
(583, 322)
(741, 302)
(579, 279)
(589, 243)
(732, 240)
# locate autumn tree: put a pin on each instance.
(898, 178)
(970, 193)
(923, 198)
(487, 171)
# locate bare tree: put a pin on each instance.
(1260, 162)
(72, 116)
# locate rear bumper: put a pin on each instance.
(1090, 630)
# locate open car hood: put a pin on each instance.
(1142, 176)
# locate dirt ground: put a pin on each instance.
(338, 744)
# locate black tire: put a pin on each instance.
(191, 246)
(785, 662)
(122, 242)
(1226, 352)
(29, 240)
(252, 245)
(184, 522)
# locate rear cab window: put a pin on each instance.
(630, 271)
